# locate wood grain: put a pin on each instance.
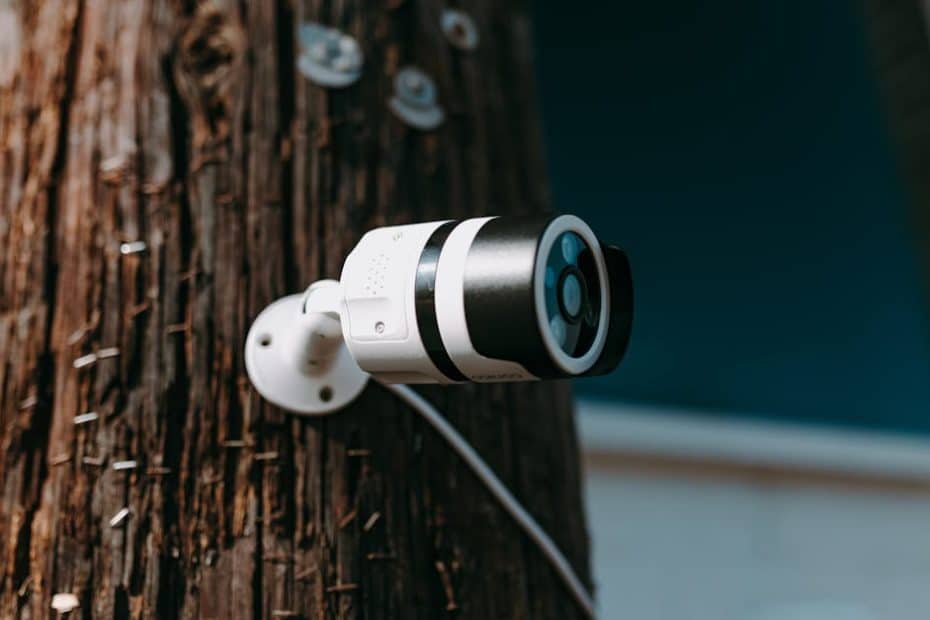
(187, 126)
(899, 31)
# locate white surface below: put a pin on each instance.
(671, 549)
(679, 548)
(615, 427)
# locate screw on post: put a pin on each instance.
(415, 100)
(460, 29)
(328, 56)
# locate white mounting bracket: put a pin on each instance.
(296, 357)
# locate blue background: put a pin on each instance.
(738, 151)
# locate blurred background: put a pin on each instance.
(764, 450)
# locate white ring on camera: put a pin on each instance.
(562, 224)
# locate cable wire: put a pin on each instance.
(501, 492)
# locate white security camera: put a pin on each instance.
(485, 299)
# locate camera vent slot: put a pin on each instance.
(377, 269)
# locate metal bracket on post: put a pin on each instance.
(296, 357)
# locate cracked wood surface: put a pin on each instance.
(899, 32)
(187, 126)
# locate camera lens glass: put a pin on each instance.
(572, 294)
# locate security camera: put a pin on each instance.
(483, 300)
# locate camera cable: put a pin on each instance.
(503, 495)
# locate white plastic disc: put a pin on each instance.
(280, 377)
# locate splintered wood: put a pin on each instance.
(165, 173)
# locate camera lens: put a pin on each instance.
(572, 296)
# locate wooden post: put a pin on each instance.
(185, 131)
(900, 36)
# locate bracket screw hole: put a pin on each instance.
(265, 340)
(326, 393)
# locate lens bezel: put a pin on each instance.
(566, 362)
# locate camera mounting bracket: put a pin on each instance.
(296, 357)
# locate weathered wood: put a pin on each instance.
(900, 36)
(187, 126)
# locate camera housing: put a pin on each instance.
(485, 300)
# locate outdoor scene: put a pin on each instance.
(419, 309)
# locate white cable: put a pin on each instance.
(503, 495)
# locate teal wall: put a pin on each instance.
(738, 151)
